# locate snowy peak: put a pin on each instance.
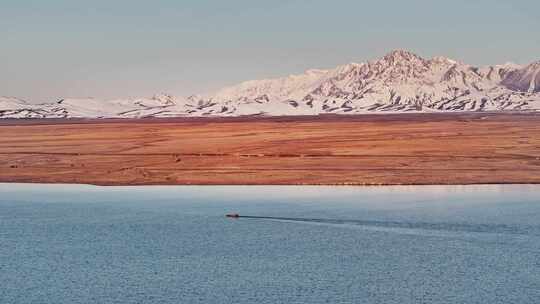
(397, 67)
(399, 81)
(401, 57)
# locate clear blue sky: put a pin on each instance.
(72, 48)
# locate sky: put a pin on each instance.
(131, 48)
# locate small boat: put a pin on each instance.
(233, 215)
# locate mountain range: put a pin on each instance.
(400, 81)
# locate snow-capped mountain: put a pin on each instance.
(398, 82)
(159, 105)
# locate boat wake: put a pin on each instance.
(412, 227)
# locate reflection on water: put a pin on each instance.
(407, 244)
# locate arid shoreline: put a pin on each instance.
(409, 149)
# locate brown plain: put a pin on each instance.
(344, 150)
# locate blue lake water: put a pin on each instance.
(424, 244)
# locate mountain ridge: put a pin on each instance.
(400, 81)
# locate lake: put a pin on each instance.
(402, 244)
